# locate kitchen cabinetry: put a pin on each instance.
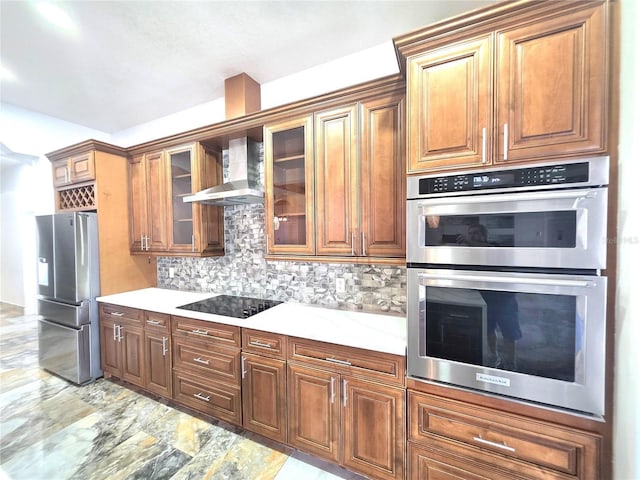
(157, 353)
(206, 368)
(121, 343)
(352, 157)
(347, 405)
(264, 383)
(76, 169)
(93, 176)
(453, 438)
(160, 222)
(289, 179)
(359, 179)
(532, 87)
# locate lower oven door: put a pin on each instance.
(65, 351)
(536, 337)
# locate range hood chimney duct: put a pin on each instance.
(242, 96)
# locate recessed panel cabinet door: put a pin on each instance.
(449, 106)
(156, 184)
(157, 353)
(336, 177)
(552, 86)
(132, 355)
(314, 411)
(382, 178)
(110, 349)
(138, 199)
(374, 432)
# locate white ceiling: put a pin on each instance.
(129, 62)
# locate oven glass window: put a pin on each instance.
(536, 334)
(555, 229)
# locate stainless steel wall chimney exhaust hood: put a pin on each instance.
(244, 185)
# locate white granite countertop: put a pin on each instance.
(382, 333)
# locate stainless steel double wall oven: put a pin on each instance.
(505, 292)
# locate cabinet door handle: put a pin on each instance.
(505, 141)
(119, 333)
(502, 445)
(353, 242)
(344, 392)
(115, 332)
(335, 360)
(256, 343)
(242, 370)
(484, 145)
(200, 360)
(364, 244)
(165, 350)
(153, 322)
(142, 242)
(201, 397)
(193, 243)
(147, 238)
(333, 390)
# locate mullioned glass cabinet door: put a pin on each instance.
(289, 197)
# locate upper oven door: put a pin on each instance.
(547, 229)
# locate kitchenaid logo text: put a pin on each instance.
(483, 377)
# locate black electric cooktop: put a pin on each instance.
(231, 306)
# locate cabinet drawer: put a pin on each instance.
(195, 357)
(264, 343)
(214, 333)
(121, 314)
(215, 399)
(157, 321)
(496, 437)
(353, 361)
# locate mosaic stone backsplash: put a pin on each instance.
(244, 271)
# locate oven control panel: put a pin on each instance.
(572, 173)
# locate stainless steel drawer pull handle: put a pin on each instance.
(255, 343)
(502, 445)
(153, 322)
(200, 332)
(117, 314)
(165, 350)
(242, 369)
(199, 360)
(335, 360)
(201, 397)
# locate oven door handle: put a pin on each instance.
(510, 197)
(511, 280)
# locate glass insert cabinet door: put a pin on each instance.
(181, 179)
(289, 185)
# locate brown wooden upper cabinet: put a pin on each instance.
(160, 222)
(522, 92)
(335, 182)
(76, 169)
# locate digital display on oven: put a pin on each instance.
(502, 179)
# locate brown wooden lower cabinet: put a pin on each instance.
(353, 422)
(449, 436)
(157, 352)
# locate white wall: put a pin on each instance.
(627, 384)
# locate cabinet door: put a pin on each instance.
(373, 428)
(61, 175)
(289, 180)
(180, 184)
(82, 167)
(450, 106)
(110, 348)
(552, 86)
(156, 200)
(314, 411)
(138, 224)
(264, 396)
(382, 178)
(208, 220)
(132, 355)
(336, 181)
(157, 353)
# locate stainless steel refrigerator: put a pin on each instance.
(68, 284)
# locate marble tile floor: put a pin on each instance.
(53, 430)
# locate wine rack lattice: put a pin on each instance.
(77, 198)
